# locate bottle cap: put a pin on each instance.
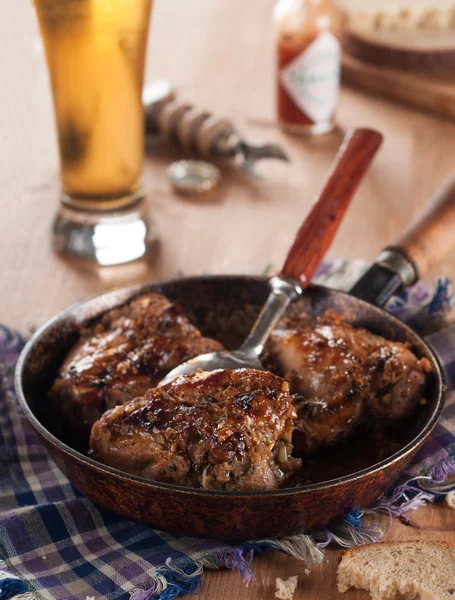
(193, 176)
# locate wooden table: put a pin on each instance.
(218, 55)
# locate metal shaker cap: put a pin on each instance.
(192, 177)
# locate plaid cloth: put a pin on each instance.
(57, 545)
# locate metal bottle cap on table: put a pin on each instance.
(192, 177)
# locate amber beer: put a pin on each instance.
(95, 51)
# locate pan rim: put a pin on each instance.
(161, 486)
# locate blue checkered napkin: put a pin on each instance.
(60, 546)
(57, 545)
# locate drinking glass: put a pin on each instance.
(95, 52)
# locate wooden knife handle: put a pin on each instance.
(432, 235)
(318, 231)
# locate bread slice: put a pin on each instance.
(400, 570)
(416, 35)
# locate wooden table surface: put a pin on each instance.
(220, 56)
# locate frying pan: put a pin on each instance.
(225, 307)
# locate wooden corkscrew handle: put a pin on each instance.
(181, 123)
(319, 229)
(432, 235)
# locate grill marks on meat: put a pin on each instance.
(119, 358)
(228, 430)
(345, 376)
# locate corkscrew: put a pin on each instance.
(200, 132)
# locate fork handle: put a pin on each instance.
(319, 229)
(315, 235)
(283, 292)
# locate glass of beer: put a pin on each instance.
(95, 52)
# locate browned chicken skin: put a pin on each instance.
(344, 375)
(228, 430)
(128, 351)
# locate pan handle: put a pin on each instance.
(426, 241)
(432, 235)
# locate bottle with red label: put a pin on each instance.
(309, 57)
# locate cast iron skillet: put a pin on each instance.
(225, 307)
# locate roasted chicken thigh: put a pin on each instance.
(129, 350)
(226, 430)
(229, 430)
(345, 377)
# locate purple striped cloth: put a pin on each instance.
(57, 545)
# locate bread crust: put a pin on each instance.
(380, 55)
(359, 549)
